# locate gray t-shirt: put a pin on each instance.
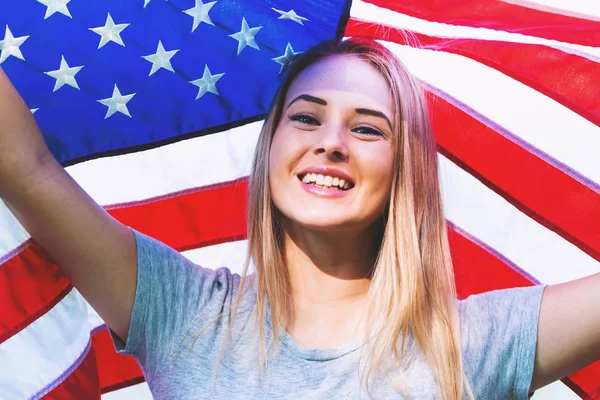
(176, 300)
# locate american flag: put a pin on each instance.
(154, 107)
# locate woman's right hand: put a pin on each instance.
(95, 251)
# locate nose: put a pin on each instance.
(332, 143)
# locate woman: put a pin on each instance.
(347, 236)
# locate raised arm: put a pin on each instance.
(95, 251)
(568, 331)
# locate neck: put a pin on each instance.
(330, 275)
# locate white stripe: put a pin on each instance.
(364, 11)
(576, 8)
(190, 163)
(231, 255)
(141, 391)
(12, 233)
(553, 391)
(36, 356)
(481, 212)
(533, 117)
(156, 172)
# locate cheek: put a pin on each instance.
(380, 168)
(380, 175)
(287, 149)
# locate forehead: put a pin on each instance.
(344, 75)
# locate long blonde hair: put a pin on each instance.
(412, 289)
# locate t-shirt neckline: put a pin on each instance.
(316, 354)
(312, 354)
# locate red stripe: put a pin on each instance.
(571, 80)
(498, 15)
(30, 285)
(477, 270)
(192, 218)
(585, 382)
(116, 370)
(83, 383)
(538, 189)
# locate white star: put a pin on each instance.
(289, 52)
(291, 15)
(64, 75)
(200, 13)
(33, 110)
(117, 102)
(110, 32)
(245, 37)
(10, 46)
(161, 59)
(53, 6)
(207, 83)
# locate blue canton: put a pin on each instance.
(111, 76)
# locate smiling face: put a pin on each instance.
(331, 159)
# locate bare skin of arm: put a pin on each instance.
(95, 251)
(568, 331)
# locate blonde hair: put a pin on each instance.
(412, 292)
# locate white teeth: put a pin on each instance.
(326, 181)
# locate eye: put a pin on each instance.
(305, 119)
(368, 130)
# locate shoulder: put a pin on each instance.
(163, 265)
(500, 305)
(498, 313)
(173, 294)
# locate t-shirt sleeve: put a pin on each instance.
(171, 292)
(499, 331)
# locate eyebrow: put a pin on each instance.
(309, 98)
(374, 113)
(363, 111)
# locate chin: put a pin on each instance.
(325, 222)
